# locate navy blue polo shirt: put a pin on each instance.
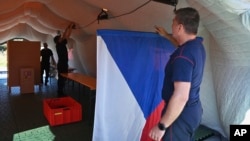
(62, 51)
(186, 64)
(46, 54)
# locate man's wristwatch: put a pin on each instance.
(161, 126)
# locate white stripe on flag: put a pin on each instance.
(118, 116)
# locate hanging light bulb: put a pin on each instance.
(103, 15)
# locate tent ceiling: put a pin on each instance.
(48, 16)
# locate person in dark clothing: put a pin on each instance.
(62, 52)
(46, 54)
(182, 112)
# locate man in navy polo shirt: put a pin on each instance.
(62, 52)
(46, 54)
(182, 112)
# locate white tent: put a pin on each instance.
(224, 25)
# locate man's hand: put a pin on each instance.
(161, 31)
(72, 25)
(156, 134)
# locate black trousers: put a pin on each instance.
(62, 67)
(46, 68)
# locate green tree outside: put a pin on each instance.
(3, 56)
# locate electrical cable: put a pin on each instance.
(132, 10)
(118, 15)
(87, 24)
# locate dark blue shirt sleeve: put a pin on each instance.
(182, 69)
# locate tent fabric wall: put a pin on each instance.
(229, 53)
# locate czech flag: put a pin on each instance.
(130, 73)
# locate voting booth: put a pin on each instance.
(23, 65)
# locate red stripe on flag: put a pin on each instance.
(152, 120)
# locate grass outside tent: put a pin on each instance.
(3, 59)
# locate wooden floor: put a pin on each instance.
(22, 112)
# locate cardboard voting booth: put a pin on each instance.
(23, 65)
